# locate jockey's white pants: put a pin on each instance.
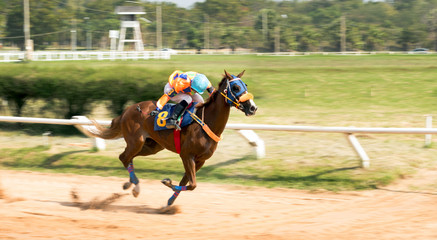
(183, 96)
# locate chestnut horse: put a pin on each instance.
(136, 125)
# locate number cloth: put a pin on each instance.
(161, 117)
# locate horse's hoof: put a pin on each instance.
(127, 185)
(136, 190)
(167, 182)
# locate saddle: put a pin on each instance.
(162, 115)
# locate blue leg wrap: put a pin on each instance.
(180, 188)
(133, 178)
(173, 198)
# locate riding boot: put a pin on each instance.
(178, 110)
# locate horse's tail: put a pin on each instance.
(114, 131)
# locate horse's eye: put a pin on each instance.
(235, 88)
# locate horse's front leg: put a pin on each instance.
(191, 167)
(167, 182)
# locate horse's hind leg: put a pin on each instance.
(133, 147)
(148, 147)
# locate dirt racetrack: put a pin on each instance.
(40, 206)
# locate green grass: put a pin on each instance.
(362, 91)
(244, 171)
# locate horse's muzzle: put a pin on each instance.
(248, 107)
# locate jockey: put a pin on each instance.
(183, 88)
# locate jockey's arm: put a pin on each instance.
(165, 98)
(162, 101)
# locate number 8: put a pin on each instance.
(161, 121)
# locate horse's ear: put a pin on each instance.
(241, 74)
(229, 76)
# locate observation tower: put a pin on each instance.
(129, 20)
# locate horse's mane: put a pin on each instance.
(213, 96)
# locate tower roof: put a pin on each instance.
(129, 10)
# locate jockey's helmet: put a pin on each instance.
(199, 83)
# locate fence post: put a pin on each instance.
(254, 141)
(428, 137)
(365, 161)
(45, 138)
(98, 143)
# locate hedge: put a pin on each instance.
(78, 86)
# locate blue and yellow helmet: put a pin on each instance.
(199, 83)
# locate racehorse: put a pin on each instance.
(197, 141)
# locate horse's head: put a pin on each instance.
(236, 94)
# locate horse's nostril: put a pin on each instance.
(253, 108)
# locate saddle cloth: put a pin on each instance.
(167, 110)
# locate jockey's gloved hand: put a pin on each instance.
(210, 90)
(154, 112)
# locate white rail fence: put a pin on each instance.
(246, 130)
(362, 53)
(250, 52)
(84, 55)
(17, 56)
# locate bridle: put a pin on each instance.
(234, 99)
(231, 98)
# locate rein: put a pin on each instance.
(237, 104)
(205, 127)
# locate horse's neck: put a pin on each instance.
(217, 115)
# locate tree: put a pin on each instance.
(14, 23)
(233, 37)
(288, 39)
(431, 20)
(374, 38)
(97, 18)
(410, 37)
(3, 14)
(194, 37)
(308, 39)
(354, 36)
(221, 11)
(46, 19)
(265, 24)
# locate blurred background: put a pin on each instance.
(255, 25)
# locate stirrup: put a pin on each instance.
(172, 123)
